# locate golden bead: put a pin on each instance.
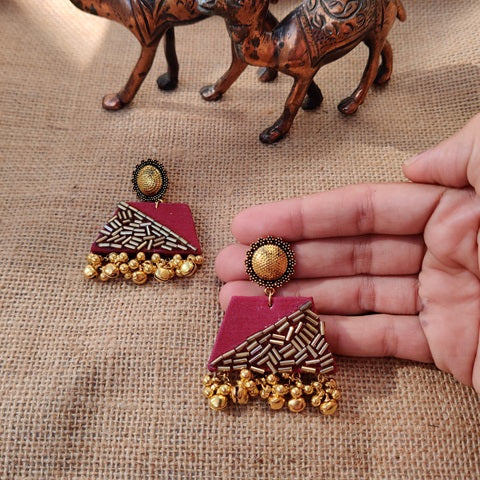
(112, 257)
(133, 264)
(148, 267)
(269, 262)
(94, 259)
(199, 259)
(103, 277)
(218, 402)
(208, 392)
(317, 385)
(140, 256)
(110, 270)
(156, 258)
(139, 277)
(90, 272)
(264, 393)
(296, 392)
(176, 261)
(336, 394)
(149, 180)
(164, 274)
(246, 374)
(272, 379)
(329, 407)
(296, 405)
(316, 400)
(207, 380)
(250, 384)
(122, 257)
(128, 275)
(276, 402)
(239, 394)
(187, 268)
(280, 389)
(124, 268)
(224, 389)
(308, 389)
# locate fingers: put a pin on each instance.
(455, 162)
(398, 336)
(333, 257)
(395, 209)
(343, 295)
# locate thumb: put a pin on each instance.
(455, 162)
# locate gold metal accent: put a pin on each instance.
(269, 292)
(269, 262)
(139, 268)
(287, 389)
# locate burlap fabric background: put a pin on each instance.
(102, 381)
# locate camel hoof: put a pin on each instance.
(348, 106)
(383, 75)
(210, 94)
(312, 102)
(266, 75)
(112, 101)
(271, 135)
(165, 82)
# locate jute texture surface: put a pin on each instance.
(102, 381)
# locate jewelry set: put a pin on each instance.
(269, 347)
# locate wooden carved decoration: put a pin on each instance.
(315, 33)
(149, 20)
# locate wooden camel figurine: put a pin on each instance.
(149, 20)
(315, 33)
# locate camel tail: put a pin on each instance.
(401, 13)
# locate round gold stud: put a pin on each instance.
(150, 181)
(270, 262)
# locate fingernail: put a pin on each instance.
(412, 160)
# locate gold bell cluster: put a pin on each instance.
(279, 391)
(138, 268)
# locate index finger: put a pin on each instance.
(384, 208)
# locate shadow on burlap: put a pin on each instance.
(102, 381)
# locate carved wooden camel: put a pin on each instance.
(315, 33)
(149, 20)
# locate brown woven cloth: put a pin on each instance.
(102, 381)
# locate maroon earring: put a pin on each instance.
(147, 238)
(273, 348)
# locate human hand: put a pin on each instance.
(393, 268)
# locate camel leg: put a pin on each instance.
(314, 97)
(349, 105)
(385, 70)
(266, 74)
(169, 79)
(215, 91)
(116, 101)
(281, 127)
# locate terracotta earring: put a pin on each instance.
(273, 348)
(147, 238)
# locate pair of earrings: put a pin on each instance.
(268, 347)
(146, 238)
